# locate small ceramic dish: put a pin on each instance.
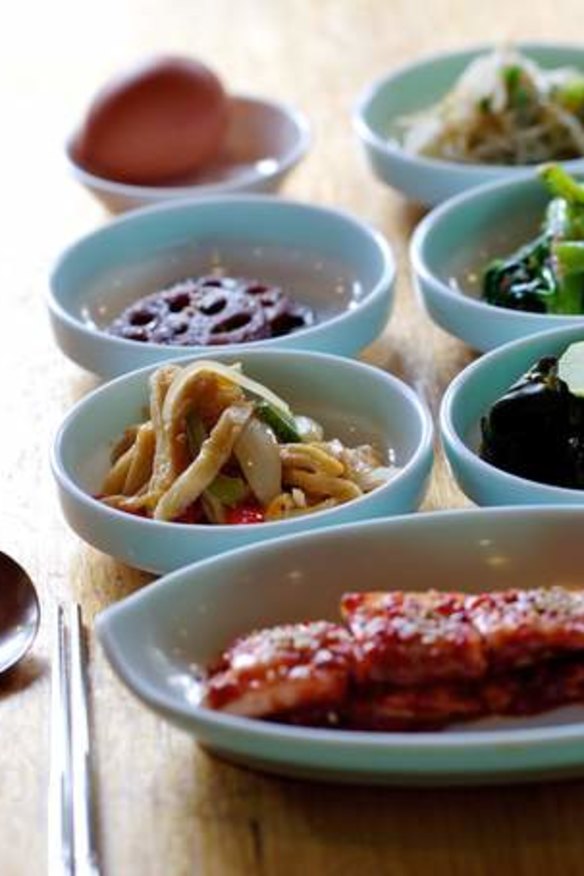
(354, 402)
(265, 141)
(470, 396)
(322, 257)
(415, 87)
(158, 637)
(453, 245)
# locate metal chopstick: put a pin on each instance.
(84, 840)
(73, 848)
(59, 827)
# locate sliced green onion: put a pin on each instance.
(571, 94)
(280, 421)
(569, 256)
(560, 184)
(512, 76)
(229, 491)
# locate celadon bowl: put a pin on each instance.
(158, 638)
(408, 90)
(354, 402)
(324, 258)
(470, 396)
(453, 245)
(265, 140)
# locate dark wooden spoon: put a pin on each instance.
(19, 612)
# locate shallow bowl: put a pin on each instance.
(412, 88)
(354, 402)
(265, 140)
(470, 396)
(155, 640)
(452, 246)
(324, 258)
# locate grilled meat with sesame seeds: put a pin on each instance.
(289, 667)
(413, 638)
(418, 638)
(411, 661)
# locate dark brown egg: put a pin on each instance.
(154, 124)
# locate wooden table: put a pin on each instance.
(166, 808)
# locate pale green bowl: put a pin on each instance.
(353, 401)
(451, 248)
(155, 638)
(469, 397)
(324, 258)
(416, 86)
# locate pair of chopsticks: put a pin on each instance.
(72, 841)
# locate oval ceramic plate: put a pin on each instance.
(324, 258)
(352, 401)
(453, 245)
(265, 141)
(470, 396)
(415, 87)
(156, 640)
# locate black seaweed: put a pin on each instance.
(536, 430)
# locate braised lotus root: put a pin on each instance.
(212, 311)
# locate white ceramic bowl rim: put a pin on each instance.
(423, 741)
(460, 446)
(392, 147)
(427, 226)
(423, 448)
(282, 162)
(376, 293)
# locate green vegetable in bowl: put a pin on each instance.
(230, 491)
(282, 423)
(536, 430)
(547, 274)
(570, 95)
(503, 109)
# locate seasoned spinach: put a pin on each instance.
(546, 275)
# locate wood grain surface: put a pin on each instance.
(166, 808)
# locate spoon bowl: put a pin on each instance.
(19, 612)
